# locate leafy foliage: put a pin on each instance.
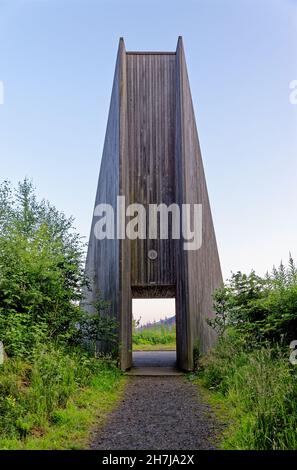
(259, 386)
(41, 323)
(101, 326)
(41, 277)
(249, 367)
(41, 272)
(263, 309)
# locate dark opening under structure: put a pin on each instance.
(151, 155)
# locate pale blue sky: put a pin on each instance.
(150, 310)
(57, 62)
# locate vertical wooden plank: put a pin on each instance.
(125, 297)
(201, 271)
(151, 123)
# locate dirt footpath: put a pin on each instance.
(159, 413)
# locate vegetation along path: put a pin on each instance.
(159, 413)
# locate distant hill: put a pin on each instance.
(166, 322)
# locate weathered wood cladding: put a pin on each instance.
(151, 134)
(108, 261)
(103, 257)
(152, 156)
(199, 272)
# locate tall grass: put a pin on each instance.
(161, 334)
(260, 387)
(31, 394)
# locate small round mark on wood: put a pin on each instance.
(152, 254)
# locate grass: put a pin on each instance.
(72, 425)
(255, 391)
(55, 402)
(155, 347)
(155, 337)
(222, 410)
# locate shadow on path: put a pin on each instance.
(154, 363)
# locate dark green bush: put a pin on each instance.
(249, 367)
(42, 325)
(262, 309)
(41, 272)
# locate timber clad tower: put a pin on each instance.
(151, 156)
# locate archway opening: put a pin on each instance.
(154, 332)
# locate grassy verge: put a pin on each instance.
(155, 337)
(55, 402)
(255, 391)
(154, 347)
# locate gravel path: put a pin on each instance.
(154, 359)
(159, 413)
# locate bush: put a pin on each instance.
(41, 324)
(262, 309)
(100, 327)
(41, 272)
(249, 367)
(260, 386)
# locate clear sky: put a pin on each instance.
(57, 62)
(149, 310)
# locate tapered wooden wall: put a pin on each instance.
(151, 156)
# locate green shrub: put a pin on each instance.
(262, 309)
(41, 272)
(260, 386)
(249, 367)
(41, 324)
(100, 326)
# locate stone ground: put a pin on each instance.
(159, 413)
(154, 359)
(153, 363)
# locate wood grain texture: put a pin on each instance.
(151, 124)
(103, 257)
(200, 272)
(151, 156)
(125, 294)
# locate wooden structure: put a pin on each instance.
(151, 155)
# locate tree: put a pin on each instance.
(41, 271)
(263, 309)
